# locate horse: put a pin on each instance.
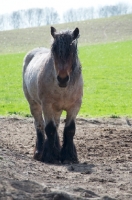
(53, 83)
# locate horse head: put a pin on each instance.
(64, 51)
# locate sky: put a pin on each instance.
(7, 6)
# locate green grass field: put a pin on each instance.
(107, 72)
(11, 96)
(107, 75)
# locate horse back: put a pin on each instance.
(31, 67)
(31, 54)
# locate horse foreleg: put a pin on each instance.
(51, 153)
(68, 151)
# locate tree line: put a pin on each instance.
(39, 17)
(91, 12)
(29, 18)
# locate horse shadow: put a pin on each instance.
(82, 168)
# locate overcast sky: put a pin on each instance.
(7, 6)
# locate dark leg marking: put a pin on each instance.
(68, 151)
(51, 153)
(39, 144)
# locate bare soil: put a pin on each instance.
(104, 171)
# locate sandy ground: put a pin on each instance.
(104, 171)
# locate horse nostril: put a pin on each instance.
(67, 78)
(59, 79)
(63, 80)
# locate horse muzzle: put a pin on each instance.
(63, 82)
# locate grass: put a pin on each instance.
(11, 96)
(107, 81)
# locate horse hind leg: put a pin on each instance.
(36, 111)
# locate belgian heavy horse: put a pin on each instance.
(52, 82)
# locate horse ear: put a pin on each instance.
(75, 33)
(53, 31)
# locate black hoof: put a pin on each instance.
(69, 155)
(51, 154)
(37, 155)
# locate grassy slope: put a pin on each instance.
(92, 32)
(106, 67)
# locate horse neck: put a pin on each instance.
(76, 64)
(76, 72)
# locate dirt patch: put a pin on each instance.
(104, 170)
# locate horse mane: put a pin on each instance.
(64, 46)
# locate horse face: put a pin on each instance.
(63, 71)
(64, 51)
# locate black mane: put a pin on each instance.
(64, 45)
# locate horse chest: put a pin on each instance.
(63, 100)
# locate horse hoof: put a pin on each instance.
(50, 158)
(37, 155)
(51, 154)
(52, 161)
(70, 162)
(69, 155)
